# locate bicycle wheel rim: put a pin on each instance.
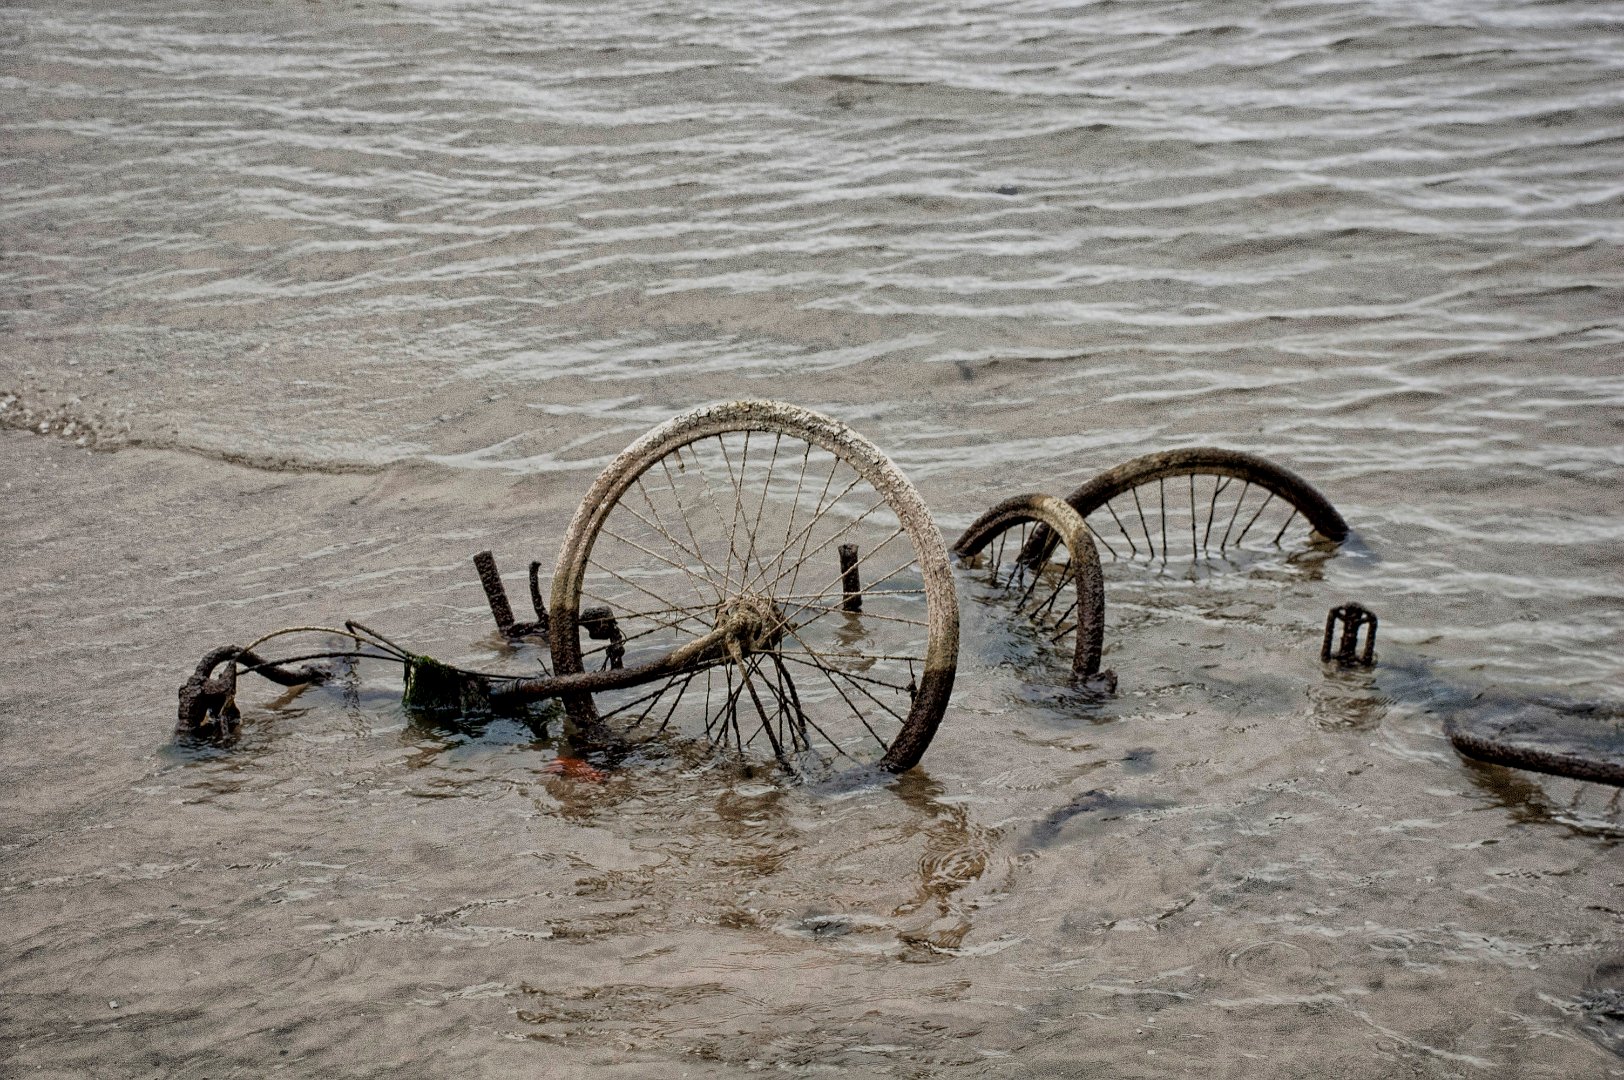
(930, 683)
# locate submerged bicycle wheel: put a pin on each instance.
(789, 515)
(1034, 577)
(1200, 504)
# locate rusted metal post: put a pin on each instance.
(542, 621)
(1352, 617)
(851, 580)
(495, 594)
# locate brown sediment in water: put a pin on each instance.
(1208, 868)
(347, 293)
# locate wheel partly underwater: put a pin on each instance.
(788, 521)
(1202, 503)
(1034, 576)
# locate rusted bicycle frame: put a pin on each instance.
(748, 625)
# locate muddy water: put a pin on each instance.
(304, 303)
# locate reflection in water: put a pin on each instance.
(1584, 809)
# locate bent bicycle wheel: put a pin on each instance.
(1034, 577)
(1200, 504)
(785, 514)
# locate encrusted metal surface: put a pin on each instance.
(942, 635)
(1578, 741)
(1352, 618)
(1066, 526)
(1206, 460)
(208, 707)
(496, 596)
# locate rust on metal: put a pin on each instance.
(934, 684)
(1352, 618)
(208, 700)
(1534, 759)
(600, 625)
(496, 596)
(542, 622)
(1058, 523)
(1211, 461)
(744, 629)
(851, 580)
(208, 705)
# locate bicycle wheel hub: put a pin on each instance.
(757, 622)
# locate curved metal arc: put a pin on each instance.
(1213, 461)
(1553, 762)
(815, 428)
(1063, 523)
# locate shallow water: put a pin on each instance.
(312, 301)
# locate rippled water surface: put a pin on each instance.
(301, 304)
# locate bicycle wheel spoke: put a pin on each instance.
(716, 505)
(1208, 476)
(658, 525)
(687, 525)
(795, 506)
(727, 715)
(1194, 553)
(738, 501)
(1224, 543)
(855, 711)
(839, 578)
(1142, 524)
(1269, 498)
(667, 601)
(806, 536)
(846, 529)
(901, 689)
(1289, 519)
(654, 697)
(817, 509)
(671, 570)
(1133, 549)
(766, 725)
(1048, 605)
(1161, 495)
(766, 487)
(790, 700)
(1212, 509)
(865, 615)
(661, 558)
(639, 634)
(676, 701)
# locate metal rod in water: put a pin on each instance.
(851, 580)
(495, 595)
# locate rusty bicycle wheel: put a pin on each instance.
(790, 516)
(1202, 504)
(1055, 583)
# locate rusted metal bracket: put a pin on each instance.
(501, 610)
(600, 625)
(1353, 617)
(208, 701)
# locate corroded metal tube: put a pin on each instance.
(851, 580)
